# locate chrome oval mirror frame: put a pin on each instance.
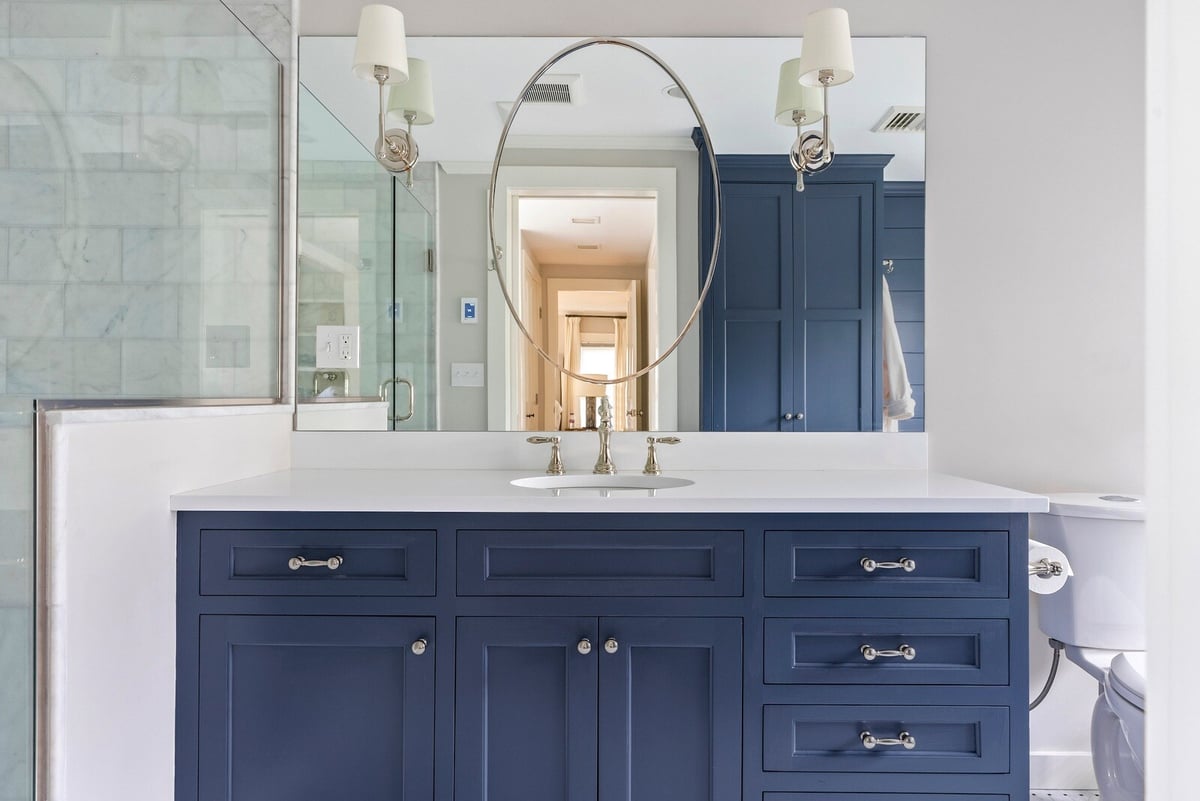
(498, 252)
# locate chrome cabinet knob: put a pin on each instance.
(419, 646)
(794, 416)
(584, 647)
(611, 646)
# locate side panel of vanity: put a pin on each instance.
(597, 657)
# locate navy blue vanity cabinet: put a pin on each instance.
(791, 325)
(601, 657)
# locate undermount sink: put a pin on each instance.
(602, 482)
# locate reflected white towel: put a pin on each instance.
(898, 403)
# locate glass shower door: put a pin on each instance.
(413, 385)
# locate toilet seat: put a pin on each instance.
(1128, 677)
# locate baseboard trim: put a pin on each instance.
(1062, 770)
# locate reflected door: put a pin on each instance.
(412, 401)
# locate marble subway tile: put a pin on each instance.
(271, 25)
(123, 86)
(258, 143)
(228, 87)
(64, 254)
(62, 368)
(160, 255)
(131, 198)
(31, 311)
(172, 29)
(156, 368)
(250, 193)
(99, 311)
(29, 197)
(4, 156)
(58, 30)
(3, 366)
(218, 137)
(66, 141)
(4, 237)
(158, 143)
(16, 448)
(33, 86)
(5, 44)
(16, 706)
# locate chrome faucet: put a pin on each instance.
(604, 462)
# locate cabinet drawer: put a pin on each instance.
(831, 651)
(372, 562)
(949, 739)
(945, 564)
(881, 797)
(600, 563)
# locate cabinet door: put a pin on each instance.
(670, 709)
(315, 708)
(525, 710)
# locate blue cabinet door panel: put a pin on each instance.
(947, 564)
(670, 712)
(525, 710)
(949, 739)
(757, 238)
(885, 797)
(830, 651)
(836, 232)
(314, 708)
(376, 562)
(834, 384)
(600, 563)
(754, 393)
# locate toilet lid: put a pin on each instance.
(1110, 506)
(1129, 677)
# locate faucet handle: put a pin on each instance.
(556, 465)
(652, 468)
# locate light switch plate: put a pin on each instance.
(337, 346)
(466, 374)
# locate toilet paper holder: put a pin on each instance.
(1045, 568)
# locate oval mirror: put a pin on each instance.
(583, 207)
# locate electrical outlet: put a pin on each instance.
(466, 374)
(337, 346)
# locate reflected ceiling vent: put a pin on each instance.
(555, 89)
(902, 119)
(586, 220)
(588, 247)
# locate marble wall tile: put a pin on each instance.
(16, 448)
(156, 368)
(29, 197)
(4, 237)
(3, 372)
(64, 254)
(160, 255)
(181, 30)
(4, 157)
(66, 141)
(128, 198)
(57, 368)
(16, 549)
(5, 43)
(248, 193)
(100, 311)
(270, 23)
(16, 702)
(33, 86)
(31, 311)
(228, 87)
(158, 143)
(258, 143)
(123, 86)
(58, 30)
(218, 137)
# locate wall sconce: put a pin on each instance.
(381, 54)
(411, 102)
(798, 105)
(826, 59)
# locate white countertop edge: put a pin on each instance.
(815, 492)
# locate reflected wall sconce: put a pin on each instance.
(381, 54)
(411, 102)
(826, 59)
(798, 105)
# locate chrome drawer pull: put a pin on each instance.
(297, 562)
(871, 654)
(905, 739)
(905, 564)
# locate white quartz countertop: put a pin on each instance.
(820, 491)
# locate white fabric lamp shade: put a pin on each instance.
(415, 96)
(827, 47)
(381, 42)
(795, 96)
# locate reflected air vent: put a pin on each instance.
(588, 247)
(907, 119)
(555, 89)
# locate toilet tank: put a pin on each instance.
(1104, 604)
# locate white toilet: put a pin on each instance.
(1100, 615)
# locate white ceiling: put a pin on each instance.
(624, 232)
(733, 80)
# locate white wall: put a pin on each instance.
(1035, 228)
(109, 551)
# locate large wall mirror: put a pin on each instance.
(602, 192)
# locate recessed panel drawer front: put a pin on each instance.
(897, 564)
(830, 739)
(318, 562)
(885, 651)
(881, 797)
(600, 563)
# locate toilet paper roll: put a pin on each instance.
(1051, 584)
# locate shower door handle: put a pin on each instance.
(412, 399)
